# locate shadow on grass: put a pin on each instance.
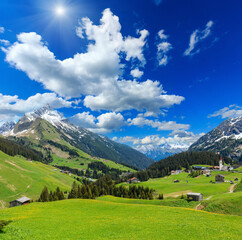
(3, 224)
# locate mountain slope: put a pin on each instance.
(19, 177)
(226, 139)
(47, 124)
(6, 127)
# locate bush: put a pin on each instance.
(3, 223)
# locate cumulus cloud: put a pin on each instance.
(136, 73)
(95, 74)
(12, 107)
(104, 123)
(231, 111)
(196, 37)
(2, 29)
(163, 47)
(155, 142)
(148, 95)
(4, 42)
(161, 126)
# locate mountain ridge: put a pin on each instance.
(81, 138)
(226, 138)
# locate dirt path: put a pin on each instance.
(15, 165)
(231, 189)
(198, 206)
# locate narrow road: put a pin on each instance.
(231, 189)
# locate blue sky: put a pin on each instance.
(145, 73)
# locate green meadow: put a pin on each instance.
(20, 177)
(227, 203)
(187, 184)
(81, 163)
(94, 219)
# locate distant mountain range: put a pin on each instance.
(225, 139)
(46, 124)
(161, 152)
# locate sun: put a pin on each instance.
(60, 10)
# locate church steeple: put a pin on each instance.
(220, 163)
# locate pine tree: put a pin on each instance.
(44, 196)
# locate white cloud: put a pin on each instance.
(128, 95)
(228, 112)
(2, 29)
(136, 73)
(96, 73)
(11, 107)
(161, 126)
(5, 42)
(104, 123)
(163, 47)
(155, 142)
(196, 37)
(161, 35)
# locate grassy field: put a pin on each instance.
(227, 203)
(199, 184)
(84, 160)
(93, 219)
(165, 202)
(20, 177)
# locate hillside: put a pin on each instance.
(106, 220)
(187, 184)
(49, 142)
(58, 129)
(226, 139)
(183, 160)
(20, 177)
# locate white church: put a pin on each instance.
(224, 167)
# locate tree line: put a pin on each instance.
(103, 186)
(179, 161)
(95, 170)
(47, 196)
(44, 153)
(11, 148)
(106, 186)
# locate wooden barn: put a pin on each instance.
(195, 196)
(19, 202)
(219, 178)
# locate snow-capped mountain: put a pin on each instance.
(50, 115)
(226, 139)
(40, 125)
(162, 151)
(6, 128)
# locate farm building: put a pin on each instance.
(205, 171)
(219, 178)
(133, 180)
(19, 202)
(195, 196)
(176, 172)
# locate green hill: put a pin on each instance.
(183, 160)
(228, 203)
(200, 184)
(20, 177)
(43, 137)
(93, 219)
(48, 124)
